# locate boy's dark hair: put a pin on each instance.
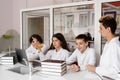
(60, 37)
(82, 36)
(108, 21)
(36, 36)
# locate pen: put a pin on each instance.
(100, 78)
(108, 77)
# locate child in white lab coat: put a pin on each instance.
(110, 58)
(36, 48)
(83, 54)
(58, 49)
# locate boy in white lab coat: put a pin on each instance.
(83, 54)
(110, 58)
(36, 48)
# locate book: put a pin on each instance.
(9, 59)
(54, 69)
(53, 62)
(8, 56)
(6, 60)
(54, 73)
(7, 63)
(53, 66)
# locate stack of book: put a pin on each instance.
(9, 59)
(53, 67)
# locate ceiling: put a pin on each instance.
(110, 5)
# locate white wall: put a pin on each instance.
(10, 22)
(5, 16)
(39, 3)
(6, 20)
(17, 6)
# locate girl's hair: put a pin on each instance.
(36, 36)
(60, 37)
(88, 35)
(82, 36)
(119, 37)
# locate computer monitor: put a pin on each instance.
(21, 56)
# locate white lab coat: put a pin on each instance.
(88, 57)
(110, 59)
(62, 54)
(32, 53)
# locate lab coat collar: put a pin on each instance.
(85, 52)
(115, 39)
(32, 46)
(58, 51)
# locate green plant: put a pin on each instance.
(7, 36)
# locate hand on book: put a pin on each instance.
(91, 68)
(74, 67)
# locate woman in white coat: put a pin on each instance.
(83, 55)
(36, 49)
(110, 58)
(58, 49)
